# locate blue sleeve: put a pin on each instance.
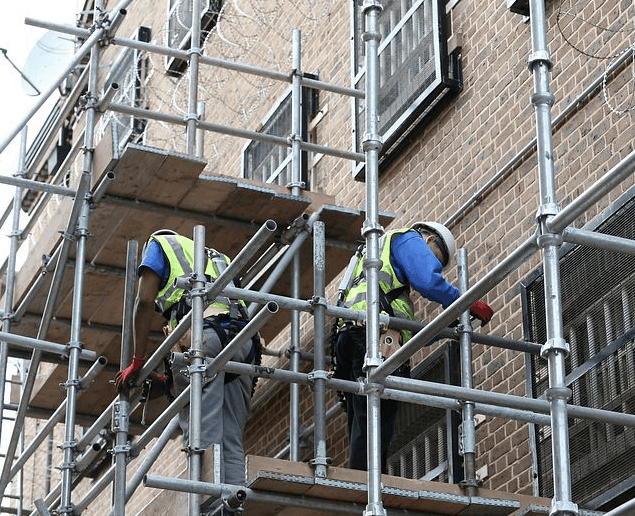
(415, 262)
(154, 259)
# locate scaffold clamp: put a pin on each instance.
(539, 56)
(319, 374)
(558, 393)
(121, 448)
(375, 510)
(318, 301)
(557, 345)
(563, 509)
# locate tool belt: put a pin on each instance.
(390, 340)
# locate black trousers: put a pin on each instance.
(350, 351)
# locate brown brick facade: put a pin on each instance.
(475, 135)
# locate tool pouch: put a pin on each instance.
(389, 342)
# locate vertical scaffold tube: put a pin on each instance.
(197, 367)
(68, 466)
(294, 365)
(296, 189)
(372, 231)
(195, 52)
(556, 349)
(121, 408)
(320, 374)
(10, 286)
(73, 382)
(468, 434)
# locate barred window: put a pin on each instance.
(271, 163)
(416, 72)
(130, 72)
(424, 446)
(179, 28)
(598, 304)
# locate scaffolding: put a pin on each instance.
(553, 227)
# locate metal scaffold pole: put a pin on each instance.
(372, 230)
(196, 369)
(320, 375)
(555, 349)
(75, 345)
(195, 53)
(121, 408)
(11, 266)
(296, 189)
(468, 430)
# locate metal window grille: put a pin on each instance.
(416, 72)
(270, 163)
(179, 28)
(424, 444)
(598, 302)
(130, 72)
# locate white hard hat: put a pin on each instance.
(443, 233)
(164, 232)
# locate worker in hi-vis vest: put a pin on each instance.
(226, 398)
(414, 258)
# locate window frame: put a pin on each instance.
(310, 107)
(129, 61)
(210, 14)
(418, 106)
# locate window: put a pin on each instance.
(272, 163)
(130, 72)
(598, 304)
(415, 70)
(424, 446)
(179, 28)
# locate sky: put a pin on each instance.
(19, 39)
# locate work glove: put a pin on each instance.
(124, 378)
(481, 311)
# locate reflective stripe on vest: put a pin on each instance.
(355, 297)
(179, 251)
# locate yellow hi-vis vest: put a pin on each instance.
(402, 306)
(179, 251)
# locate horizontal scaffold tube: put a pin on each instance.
(207, 60)
(43, 345)
(392, 322)
(451, 392)
(57, 416)
(233, 131)
(263, 497)
(37, 186)
(599, 240)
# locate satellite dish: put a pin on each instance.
(48, 58)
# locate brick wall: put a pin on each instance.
(474, 136)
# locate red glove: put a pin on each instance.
(482, 312)
(129, 374)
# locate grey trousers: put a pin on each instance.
(225, 410)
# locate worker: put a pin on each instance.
(226, 398)
(413, 257)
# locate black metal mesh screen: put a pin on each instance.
(598, 301)
(415, 73)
